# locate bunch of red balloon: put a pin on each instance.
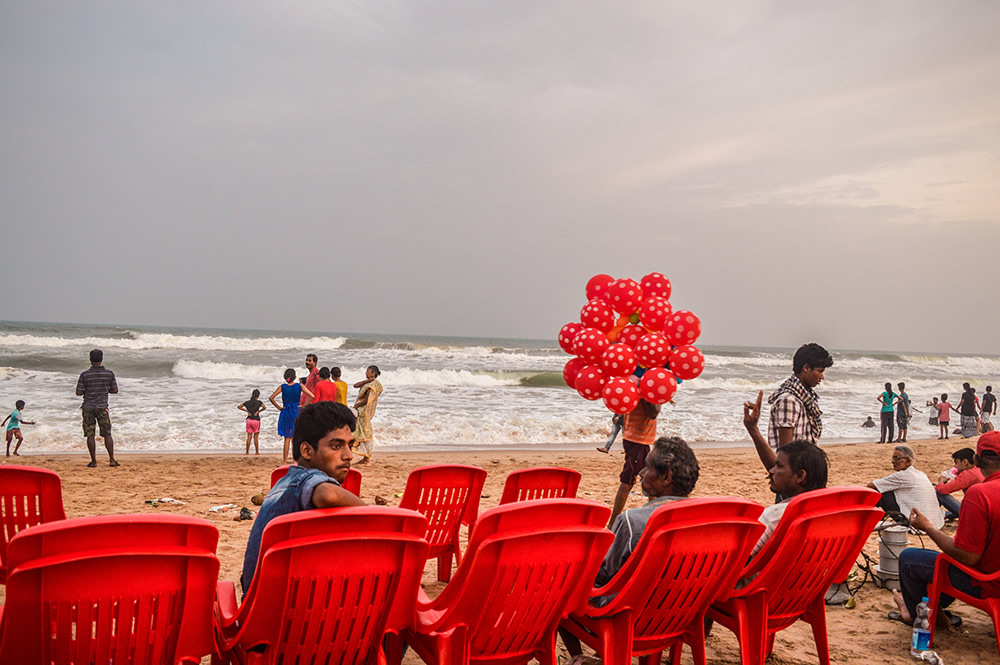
(630, 344)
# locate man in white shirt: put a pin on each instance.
(907, 488)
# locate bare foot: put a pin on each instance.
(898, 597)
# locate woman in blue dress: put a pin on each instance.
(288, 411)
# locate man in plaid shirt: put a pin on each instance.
(795, 412)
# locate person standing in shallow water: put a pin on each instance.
(887, 399)
(94, 386)
(365, 404)
(288, 410)
(253, 407)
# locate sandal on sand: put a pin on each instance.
(92, 465)
(896, 616)
(945, 618)
(113, 464)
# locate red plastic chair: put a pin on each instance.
(690, 552)
(110, 534)
(942, 584)
(448, 495)
(141, 602)
(352, 483)
(319, 522)
(815, 544)
(28, 496)
(328, 597)
(513, 586)
(543, 482)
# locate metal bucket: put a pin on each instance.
(892, 542)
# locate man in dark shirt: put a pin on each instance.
(94, 385)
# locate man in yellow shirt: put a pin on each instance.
(341, 386)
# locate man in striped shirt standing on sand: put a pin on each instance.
(94, 385)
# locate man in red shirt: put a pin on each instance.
(976, 543)
(311, 360)
(967, 476)
(640, 433)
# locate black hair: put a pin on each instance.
(318, 419)
(96, 356)
(811, 354)
(967, 454)
(901, 385)
(807, 456)
(966, 385)
(255, 394)
(374, 368)
(674, 455)
(335, 372)
(19, 404)
(944, 397)
(888, 386)
(289, 374)
(303, 380)
(324, 373)
(989, 389)
(314, 357)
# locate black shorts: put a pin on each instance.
(94, 418)
(635, 460)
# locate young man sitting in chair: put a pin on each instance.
(321, 448)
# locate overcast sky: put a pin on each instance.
(823, 171)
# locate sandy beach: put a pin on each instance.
(863, 634)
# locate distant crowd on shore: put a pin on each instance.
(321, 384)
(976, 416)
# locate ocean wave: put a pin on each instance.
(443, 378)
(139, 341)
(212, 371)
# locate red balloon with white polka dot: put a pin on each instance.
(620, 395)
(657, 386)
(687, 362)
(683, 327)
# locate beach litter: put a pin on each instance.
(223, 508)
(257, 499)
(170, 501)
(381, 501)
(245, 514)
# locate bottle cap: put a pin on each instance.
(926, 599)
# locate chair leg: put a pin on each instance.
(453, 647)
(393, 649)
(615, 650)
(816, 617)
(695, 639)
(933, 597)
(993, 609)
(444, 567)
(752, 627)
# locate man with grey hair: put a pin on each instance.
(907, 488)
(670, 474)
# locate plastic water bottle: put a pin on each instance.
(921, 629)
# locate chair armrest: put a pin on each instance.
(226, 606)
(943, 561)
(423, 600)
